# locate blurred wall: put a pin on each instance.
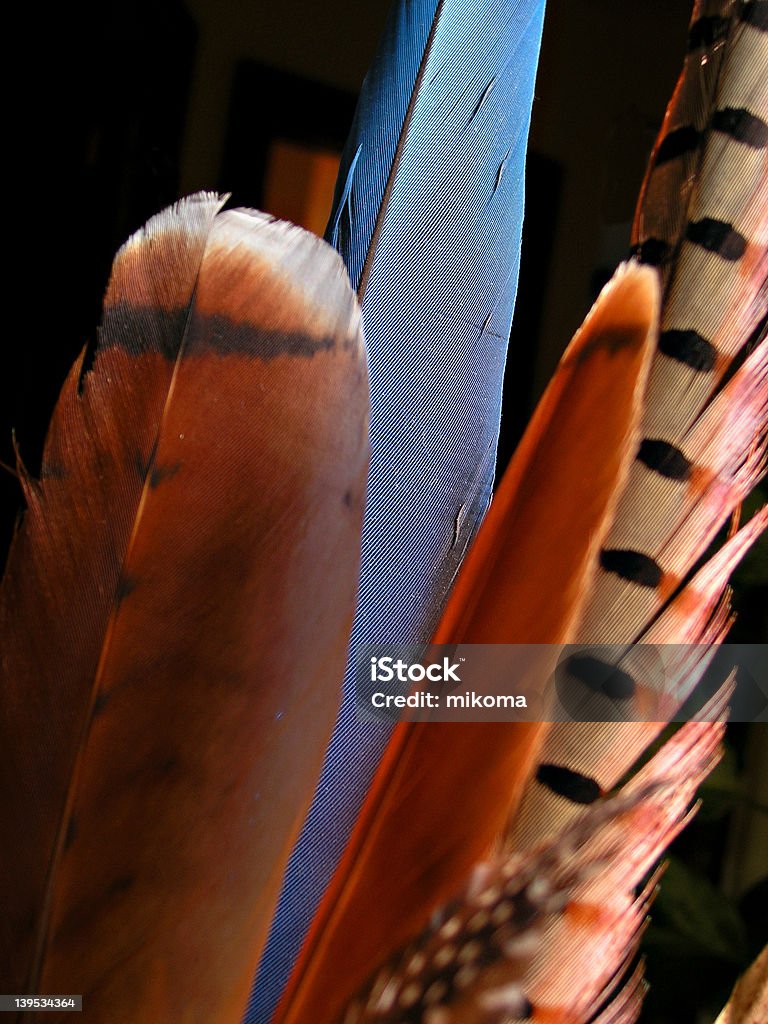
(119, 108)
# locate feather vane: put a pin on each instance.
(177, 605)
(706, 418)
(428, 218)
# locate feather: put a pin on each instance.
(676, 159)
(427, 217)
(701, 449)
(175, 614)
(400, 862)
(703, 426)
(478, 959)
(749, 1000)
(706, 411)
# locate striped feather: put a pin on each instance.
(541, 936)
(706, 412)
(674, 165)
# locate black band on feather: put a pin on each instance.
(741, 126)
(677, 143)
(601, 676)
(755, 13)
(633, 566)
(689, 347)
(579, 789)
(653, 251)
(717, 236)
(664, 458)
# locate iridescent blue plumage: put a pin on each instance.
(428, 216)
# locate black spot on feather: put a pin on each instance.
(756, 14)
(689, 347)
(741, 126)
(160, 473)
(655, 252)
(664, 458)
(601, 676)
(677, 143)
(573, 786)
(524, 1010)
(633, 566)
(717, 236)
(125, 586)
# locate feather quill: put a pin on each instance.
(174, 617)
(427, 216)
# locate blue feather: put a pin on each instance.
(427, 216)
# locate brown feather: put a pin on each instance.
(175, 615)
(749, 1000)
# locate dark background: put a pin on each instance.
(117, 110)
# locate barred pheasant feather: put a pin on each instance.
(178, 600)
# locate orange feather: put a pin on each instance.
(444, 792)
